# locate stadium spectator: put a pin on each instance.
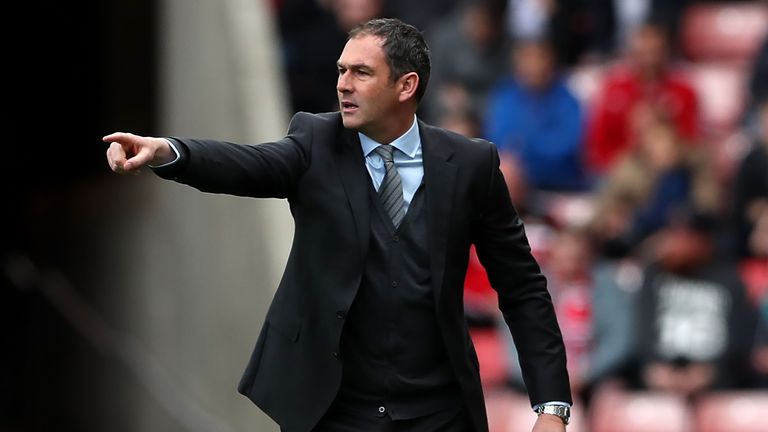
(569, 270)
(759, 289)
(616, 287)
(423, 16)
(751, 185)
(695, 324)
(646, 80)
(758, 86)
(463, 122)
(535, 118)
(751, 219)
(590, 29)
(530, 19)
(659, 178)
(469, 56)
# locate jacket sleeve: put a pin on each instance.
(524, 301)
(268, 170)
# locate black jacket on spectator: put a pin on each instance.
(751, 184)
(758, 85)
(701, 317)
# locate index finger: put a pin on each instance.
(119, 137)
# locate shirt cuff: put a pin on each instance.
(555, 403)
(175, 150)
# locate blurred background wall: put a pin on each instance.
(130, 303)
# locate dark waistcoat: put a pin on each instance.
(394, 358)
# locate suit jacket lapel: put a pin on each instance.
(355, 178)
(439, 179)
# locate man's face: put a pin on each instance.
(648, 48)
(534, 65)
(682, 248)
(367, 95)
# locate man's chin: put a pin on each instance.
(350, 122)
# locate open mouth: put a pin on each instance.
(348, 107)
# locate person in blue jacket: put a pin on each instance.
(534, 117)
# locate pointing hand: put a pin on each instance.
(128, 153)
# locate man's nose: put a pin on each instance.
(343, 84)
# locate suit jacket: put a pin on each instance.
(294, 371)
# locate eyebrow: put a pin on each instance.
(356, 66)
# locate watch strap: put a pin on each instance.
(561, 411)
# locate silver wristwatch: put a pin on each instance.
(561, 411)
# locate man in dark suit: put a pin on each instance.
(366, 331)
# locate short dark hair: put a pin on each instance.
(404, 46)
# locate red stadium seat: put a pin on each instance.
(492, 355)
(569, 209)
(736, 411)
(721, 88)
(640, 412)
(503, 409)
(728, 149)
(724, 32)
(754, 273)
(585, 80)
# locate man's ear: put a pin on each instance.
(409, 83)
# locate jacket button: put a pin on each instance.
(335, 354)
(340, 314)
(394, 284)
(396, 239)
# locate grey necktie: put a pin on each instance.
(391, 189)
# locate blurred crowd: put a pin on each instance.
(634, 140)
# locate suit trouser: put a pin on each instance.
(448, 420)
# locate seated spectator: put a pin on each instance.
(755, 273)
(461, 122)
(758, 244)
(758, 85)
(569, 273)
(646, 80)
(751, 185)
(533, 117)
(760, 354)
(590, 29)
(694, 322)
(616, 287)
(657, 179)
(423, 16)
(530, 19)
(469, 55)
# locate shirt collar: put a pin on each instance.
(407, 143)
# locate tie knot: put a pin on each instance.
(385, 151)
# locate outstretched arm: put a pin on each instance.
(262, 170)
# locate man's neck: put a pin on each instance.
(650, 74)
(391, 131)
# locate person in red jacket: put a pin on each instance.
(643, 84)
